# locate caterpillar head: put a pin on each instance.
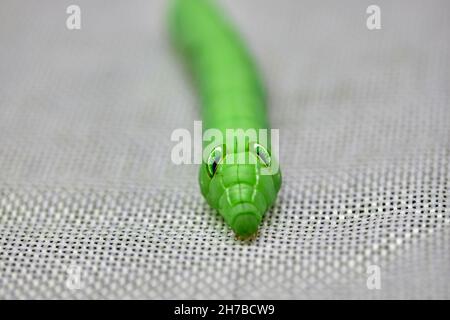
(241, 185)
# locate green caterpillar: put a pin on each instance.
(232, 97)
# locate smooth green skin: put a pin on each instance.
(232, 97)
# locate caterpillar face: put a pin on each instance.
(239, 191)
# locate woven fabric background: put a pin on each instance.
(91, 205)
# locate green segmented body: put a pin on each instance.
(232, 97)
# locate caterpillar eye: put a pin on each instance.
(213, 160)
(263, 154)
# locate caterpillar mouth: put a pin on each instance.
(245, 219)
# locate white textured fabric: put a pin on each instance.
(87, 187)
